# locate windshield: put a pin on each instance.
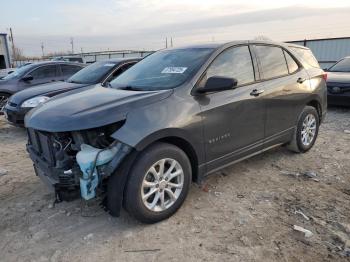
(20, 71)
(341, 66)
(163, 70)
(93, 73)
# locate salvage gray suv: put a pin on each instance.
(175, 117)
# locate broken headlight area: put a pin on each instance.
(76, 161)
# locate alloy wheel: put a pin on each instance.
(162, 185)
(308, 130)
(3, 101)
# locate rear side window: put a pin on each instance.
(306, 56)
(292, 65)
(272, 61)
(44, 72)
(235, 62)
(70, 69)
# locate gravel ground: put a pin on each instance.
(244, 213)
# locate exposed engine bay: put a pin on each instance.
(77, 161)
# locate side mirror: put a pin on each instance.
(27, 78)
(218, 83)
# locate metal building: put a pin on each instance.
(327, 50)
(4, 52)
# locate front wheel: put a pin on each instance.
(3, 100)
(306, 132)
(158, 183)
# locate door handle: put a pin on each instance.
(301, 80)
(257, 92)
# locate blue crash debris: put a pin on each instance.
(89, 158)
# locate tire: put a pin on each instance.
(139, 200)
(298, 143)
(3, 100)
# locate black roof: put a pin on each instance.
(118, 60)
(56, 62)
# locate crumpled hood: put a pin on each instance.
(50, 90)
(338, 77)
(92, 108)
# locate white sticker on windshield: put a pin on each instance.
(108, 64)
(174, 70)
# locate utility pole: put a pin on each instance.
(42, 48)
(171, 41)
(81, 50)
(166, 42)
(13, 45)
(72, 43)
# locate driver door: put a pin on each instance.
(41, 75)
(233, 119)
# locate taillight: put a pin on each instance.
(324, 76)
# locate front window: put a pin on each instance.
(341, 66)
(44, 72)
(165, 69)
(92, 74)
(235, 63)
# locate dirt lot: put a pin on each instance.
(245, 213)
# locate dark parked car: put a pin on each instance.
(99, 72)
(338, 83)
(175, 117)
(35, 74)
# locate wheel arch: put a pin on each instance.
(317, 105)
(177, 138)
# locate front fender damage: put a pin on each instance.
(80, 162)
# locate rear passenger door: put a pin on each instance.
(282, 80)
(233, 119)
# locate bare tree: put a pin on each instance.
(18, 54)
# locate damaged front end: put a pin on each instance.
(77, 162)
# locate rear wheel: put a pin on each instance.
(306, 132)
(3, 100)
(158, 183)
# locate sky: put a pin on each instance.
(144, 24)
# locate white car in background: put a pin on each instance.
(5, 72)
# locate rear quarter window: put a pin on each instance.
(306, 56)
(292, 65)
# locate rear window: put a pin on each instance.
(70, 69)
(272, 61)
(306, 56)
